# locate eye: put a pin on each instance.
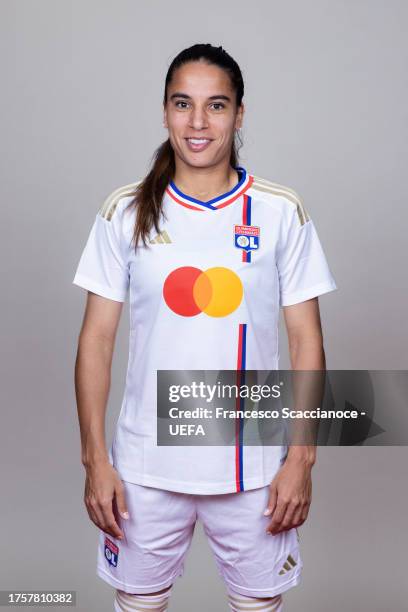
(181, 102)
(219, 104)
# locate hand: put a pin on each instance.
(290, 496)
(104, 497)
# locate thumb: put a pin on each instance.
(121, 502)
(271, 501)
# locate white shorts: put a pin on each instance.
(159, 532)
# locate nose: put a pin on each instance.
(198, 119)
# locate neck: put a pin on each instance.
(205, 183)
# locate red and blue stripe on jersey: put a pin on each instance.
(240, 404)
(241, 364)
(246, 220)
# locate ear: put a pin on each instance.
(240, 116)
(165, 117)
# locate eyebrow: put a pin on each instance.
(180, 94)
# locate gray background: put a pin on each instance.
(326, 102)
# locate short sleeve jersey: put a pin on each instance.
(204, 294)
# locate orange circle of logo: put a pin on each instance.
(216, 291)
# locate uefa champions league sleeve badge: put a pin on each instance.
(246, 237)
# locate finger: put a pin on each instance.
(121, 501)
(305, 512)
(277, 519)
(288, 521)
(278, 526)
(94, 514)
(297, 517)
(92, 505)
(273, 495)
(110, 523)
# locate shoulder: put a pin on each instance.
(284, 198)
(117, 200)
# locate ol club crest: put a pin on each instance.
(246, 237)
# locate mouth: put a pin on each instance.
(198, 144)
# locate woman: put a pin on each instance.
(209, 253)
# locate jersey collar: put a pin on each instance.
(216, 203)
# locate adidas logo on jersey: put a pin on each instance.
(162, 238)
(288, 565)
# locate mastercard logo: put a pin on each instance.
(216, 291)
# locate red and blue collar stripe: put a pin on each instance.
(225, 199)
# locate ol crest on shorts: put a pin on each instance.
(111, 552)
(246, 237)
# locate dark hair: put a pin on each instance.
(148, 194)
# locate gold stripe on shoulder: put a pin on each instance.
(277, 189)
(259, 179)
(108, 207)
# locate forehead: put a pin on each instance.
(198, 79)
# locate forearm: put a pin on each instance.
(92, 384)
(306, 354)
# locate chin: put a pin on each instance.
(198, 160)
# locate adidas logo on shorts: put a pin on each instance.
(162, 238)
(288, 565)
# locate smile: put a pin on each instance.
(197, 144)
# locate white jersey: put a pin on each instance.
(204, 295)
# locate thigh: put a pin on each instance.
(156, 538)
(249, 560)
